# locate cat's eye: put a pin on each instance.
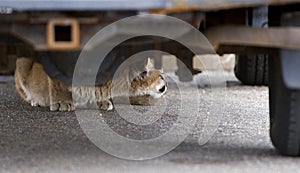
(162, 89)
(143, 75)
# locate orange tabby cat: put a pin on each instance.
(37, 88)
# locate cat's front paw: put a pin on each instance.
(62, 106)
(105, 105)
(34, 103)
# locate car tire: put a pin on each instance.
(252, 69)
(284, 96)
(284, 108)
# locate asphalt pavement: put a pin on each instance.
(33, 139)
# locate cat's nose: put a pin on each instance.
(162, 89)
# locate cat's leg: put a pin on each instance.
(105, 105)
(22, 72)
(60, 96)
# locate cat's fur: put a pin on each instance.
(37, 88)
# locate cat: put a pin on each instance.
(36, 87)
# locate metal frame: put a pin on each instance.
(273, 37)
(178, 5)
(63, 45)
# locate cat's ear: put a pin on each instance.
(149, 66)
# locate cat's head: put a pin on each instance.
(149, 83)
